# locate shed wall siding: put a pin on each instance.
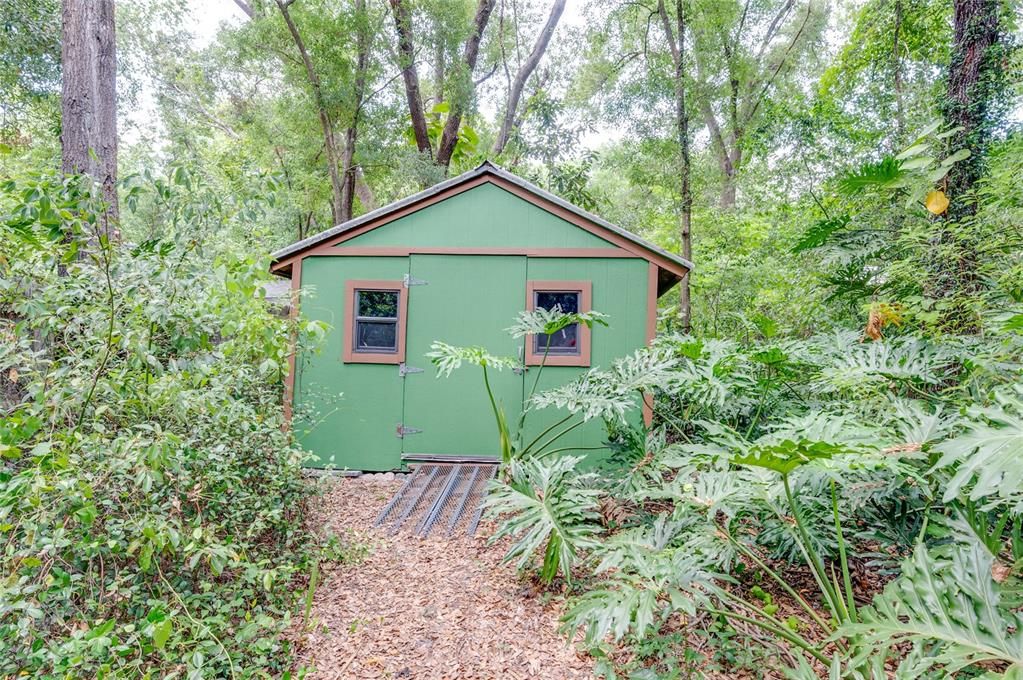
(486, 216)
(620, 292)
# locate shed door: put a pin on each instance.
(466, 300)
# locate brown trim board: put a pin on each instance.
(289, 379)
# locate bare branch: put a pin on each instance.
(245, 7)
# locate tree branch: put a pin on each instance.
(245, 7)
(526, 70)
(449, 137)
(406, 57)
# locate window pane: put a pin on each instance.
(565, 341)
(569, 302)
(376, 336)
(378, 303)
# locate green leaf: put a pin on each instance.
(986, 461)
(162, 632)
(917, 163)
(542, 508)
(914, 150)
(820, 232)
(960, 155)
(951, 604)
(883, 174)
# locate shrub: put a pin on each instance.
(150, 502)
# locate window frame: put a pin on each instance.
(352, 356)
(583, 333)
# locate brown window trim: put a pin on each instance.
(585, 290)
(349, 355)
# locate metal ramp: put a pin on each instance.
(446, 497)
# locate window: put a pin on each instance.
(374, 321)
(565, 341)
(570, 346)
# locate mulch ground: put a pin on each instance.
(425, 609)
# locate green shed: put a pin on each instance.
(456, 263)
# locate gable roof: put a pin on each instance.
(671, 267)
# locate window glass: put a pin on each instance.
(565, 341)
(376, 336)
(378, 303)
(376, 320)
(569, 302)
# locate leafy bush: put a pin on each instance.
(150, 503)
(821, 456)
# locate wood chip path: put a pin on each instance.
(426, 609)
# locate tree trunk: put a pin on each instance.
(406, 53)
(972, 103)
(352, 133)
(730, 168)
(88, 135)
(975, 81)
(330, 145)
(526, 70)
(677, 44)
(449, 137)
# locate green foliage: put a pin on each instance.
(984, 461)
(950, 604)
(781, 451)
(537, 506)
(150, 503)
(544, 509)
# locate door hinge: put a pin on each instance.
(408, 281)
(404, 369)
(401, 431)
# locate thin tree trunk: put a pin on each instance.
(352, 133)
(362, 190)
(406, 54)
(439, 64)
(677, 44)
(329, 142)
(526, 70)
(449, 137)
(897, 74)
(88, 135)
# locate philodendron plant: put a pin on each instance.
(540, 321)
(540, 504)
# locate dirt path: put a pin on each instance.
(426, 609)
